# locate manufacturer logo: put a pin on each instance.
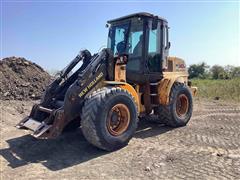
(90, 85)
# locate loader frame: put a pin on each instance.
(65, 98)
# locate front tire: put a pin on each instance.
(109, 118)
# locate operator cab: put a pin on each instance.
(143, 37)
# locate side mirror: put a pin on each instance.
(107, 25)
(169, 45)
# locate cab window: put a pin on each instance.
(117, 38)
(135, 45)
(154, 56)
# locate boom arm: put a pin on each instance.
(47, 121)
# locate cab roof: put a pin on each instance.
(140, 14)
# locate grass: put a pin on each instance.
(224, 89)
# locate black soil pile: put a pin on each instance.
(21, 79)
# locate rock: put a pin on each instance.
(162, 164)
(156, 165)
(147, 168)
(35, 79)
(26, 63)
(25, 85)
(6, 94)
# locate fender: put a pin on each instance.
(127, 87)
(165, 85)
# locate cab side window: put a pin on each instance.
(154, 47)
(135, 46)
(135, 41)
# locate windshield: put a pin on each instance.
(117, 38)
(126, 39)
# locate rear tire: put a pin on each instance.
(109, 118)
(179, 110)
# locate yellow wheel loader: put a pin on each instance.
(132, 78)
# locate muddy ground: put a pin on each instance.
(207, 148)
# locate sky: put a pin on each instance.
(51, 33)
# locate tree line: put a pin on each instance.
(204, 71)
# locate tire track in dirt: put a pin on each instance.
(207, 148)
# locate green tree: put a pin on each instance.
(198, 70)
(229, 71)
(217, 72)
(236, 72)
(224, 75)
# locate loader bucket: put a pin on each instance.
(39, 122)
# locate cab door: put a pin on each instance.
(157, 48)
(153, 56)
(165, 45)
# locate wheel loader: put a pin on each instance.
(106, 93)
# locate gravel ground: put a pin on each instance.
(207, 148)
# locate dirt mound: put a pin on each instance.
(21, 79)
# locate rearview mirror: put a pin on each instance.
(169, 45)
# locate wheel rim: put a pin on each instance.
(118, 119)
(182, 105)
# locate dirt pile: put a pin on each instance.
(21, 79)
